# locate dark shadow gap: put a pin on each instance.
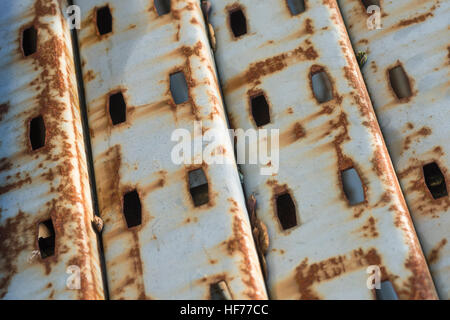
(238, 22)
(178, 87)
(132, 209)
(353, 187)
(220, 291)
(162, 7)
(400, 82)
(435, 180)
(104, 20)
(260, 110)
(286, 211)
(37, 133)
(198, 187)
(29, 41)
(296, 6)
(46, 239)
(117, 108)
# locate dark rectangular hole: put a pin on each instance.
(322, 88)
(435, 180)
(117, 108)
(46, 239)
(368, 3)
(238, 22)
(386, 291)
(353, 187)
(162, 7)
(178, 87)
(29, 41)
(104, 20)
(198, 187)
(220, 291)
(132, 208)
(296, 6)
(37, 133)
(286, 211)
(400, 82)
(260, 110)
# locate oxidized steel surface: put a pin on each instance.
(50, 182)
(327, 254)
(179, 250)
(414, 34)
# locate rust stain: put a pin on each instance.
(108, 167)
(309, 26)
(369, 229)
(248, 267)
(434, 255)
(423, 132)
(417, 19)
(14, 239)
(89, 76)
(293, 134)
(308, 275)
(260, 69)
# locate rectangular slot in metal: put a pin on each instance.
(321, 85)
(132, 209)
(178, 87)
(286, 211)
(29, 41)
(37, 133)
(296, 6)
(238, 22)
(260, 110)
(198, 187)
(162, 7)
(117, 108)
(220, 291)
(386, 291)
(435, 180)
(104, 20)
(368, 3)
(46, 239)
(353, 187)
(400, 82)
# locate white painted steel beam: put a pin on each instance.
(305, 67)
(177, 249)
(413, 110)
(43, 174)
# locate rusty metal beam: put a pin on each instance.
(326, 128)
(414, 121)
(158, 243)
(46, 236)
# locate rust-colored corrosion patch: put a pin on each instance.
(309, 26)
(293, 134)
(260, 69)
(418, 19)
(434, 255)
(423, 132)
(12, 242)
(239, 244)
(307, 275)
